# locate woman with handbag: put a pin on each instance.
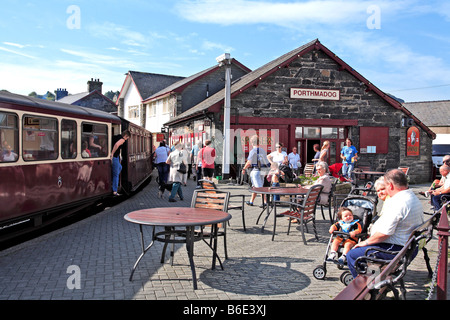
(178, 163)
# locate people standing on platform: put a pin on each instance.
(295, 161)
(118, 142)
(207, 156)
(316, 148)
(324, 152)
(278, 155)
(349, 155)
(257, 160)
(188, 155)
(161, 154)
(176, 157)
(198, 164)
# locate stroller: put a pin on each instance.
(363, 208)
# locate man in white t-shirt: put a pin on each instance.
(444, 189)
(392, 230)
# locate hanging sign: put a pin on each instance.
(412, 141)
(315, 94)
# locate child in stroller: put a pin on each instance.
(348, 225)
(363, 208)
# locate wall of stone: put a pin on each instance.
(271, 98)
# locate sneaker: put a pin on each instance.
(332, 256)
(426, 194)
(342, 259)
(172, 200)
(249, 203)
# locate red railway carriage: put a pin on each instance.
(54, 157)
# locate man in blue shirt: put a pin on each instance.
(257, 160)
(349, 155)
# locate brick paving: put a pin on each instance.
(104, 247)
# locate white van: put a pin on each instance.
(441, 148)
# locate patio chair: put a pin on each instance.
(309, 169)
(236, 201)
(329, 204)
(212, 199)
(304, 212)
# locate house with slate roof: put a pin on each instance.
(172, 97)
(309, 96)
(92, 98)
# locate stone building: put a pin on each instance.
(163, 97)
(308, 96)
(92, 98)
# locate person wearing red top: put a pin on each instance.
(207, 156)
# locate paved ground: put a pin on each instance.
(102, 249)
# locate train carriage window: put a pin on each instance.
(39, 138)
(9, 137)
(94, 140)
(68, 139)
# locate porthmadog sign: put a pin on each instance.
(316, 94)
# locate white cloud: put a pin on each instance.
(287, 14)
(17, 53)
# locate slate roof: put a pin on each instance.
(254, 77)
(180, 85)
(150, 83)
(72, 98)
(432, 113)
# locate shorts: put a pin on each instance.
(208, 172)
(257, 178)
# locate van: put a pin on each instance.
(441, 148)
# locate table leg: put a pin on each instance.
(190, 249)
(269, 204)
(144, 250)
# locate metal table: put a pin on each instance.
(172, 217)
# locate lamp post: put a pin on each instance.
(225, 60)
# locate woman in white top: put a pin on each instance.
(324, 179)
(278, 155)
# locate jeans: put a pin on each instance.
(176, 188)
(276, 197)
(355, 253)
(436, 201)
(116, 168)
(347, 170)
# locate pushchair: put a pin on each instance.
(363, 208)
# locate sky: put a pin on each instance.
(402, 47)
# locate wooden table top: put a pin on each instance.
(177, 216)
(281, 190)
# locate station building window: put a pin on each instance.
(39, 138)
(9, 137)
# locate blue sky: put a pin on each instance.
(403, 47)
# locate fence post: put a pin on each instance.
(443, 234)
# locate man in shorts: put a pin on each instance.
(257, 160)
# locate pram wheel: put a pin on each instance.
(346, 278)
(320, 272)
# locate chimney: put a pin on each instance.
(61, 93)
(94, 84)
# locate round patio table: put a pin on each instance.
(172, 217)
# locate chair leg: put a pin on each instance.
(243, 215)
(321, 209)
(302, 227)
(225, 241)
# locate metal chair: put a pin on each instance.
(304, 212)
(329, 204)
(233, 204)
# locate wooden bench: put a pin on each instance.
(382, 276)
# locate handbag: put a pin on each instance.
(182, 169)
